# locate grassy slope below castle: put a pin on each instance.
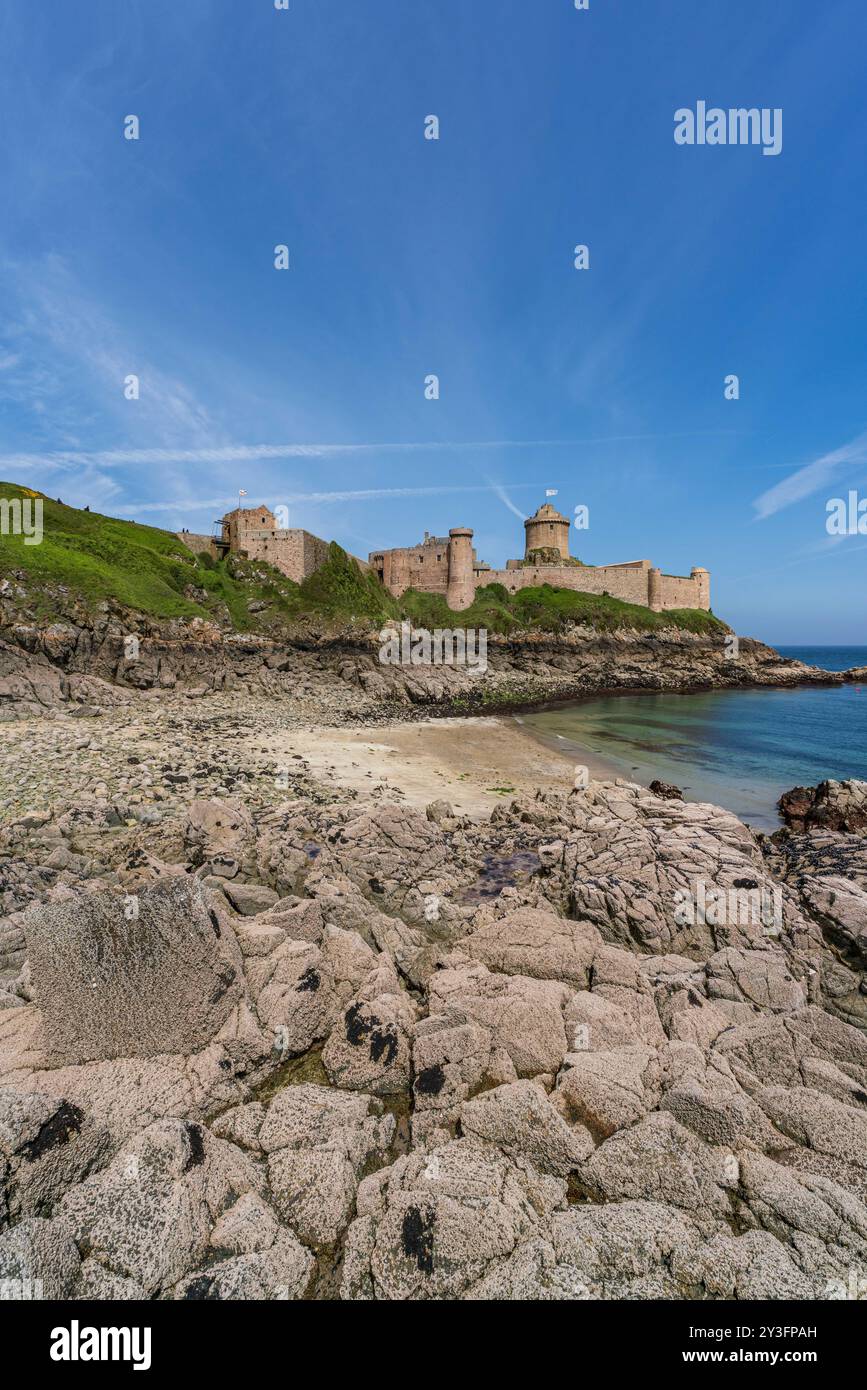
(86, 560)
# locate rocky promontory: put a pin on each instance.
(49, 668)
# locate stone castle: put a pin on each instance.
(448, 565)
(254, 533)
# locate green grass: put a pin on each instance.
(552, 610)
(86, 559)
(341, 590)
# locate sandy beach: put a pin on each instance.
(472, 763)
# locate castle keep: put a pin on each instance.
(448, 565)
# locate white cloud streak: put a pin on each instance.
(506, 499)
(287, 498)
(254, 453)
(809, 479)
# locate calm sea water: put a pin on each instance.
(737, 748)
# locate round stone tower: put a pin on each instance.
(702, 579)
(547, 530)
(654, 589)
(461, 587)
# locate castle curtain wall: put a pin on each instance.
(627, 582)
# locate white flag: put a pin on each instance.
(550, 492)
(242, 492)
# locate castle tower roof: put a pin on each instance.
(547, 513)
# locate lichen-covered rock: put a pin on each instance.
(452, 1058)
(148, 1216)
(605, 1091)
(537, 944)
(221, 834)
(282, 1271)
(625, 1249)
(549, 1055)
(114, 979)
(48, 1144)
(293, 990)
(524, 1017)
(318, 1142)
(754, 977)
(659, 1159)
(38, 1259)
(521, 1121)
(370, 1047)
(435, 1224)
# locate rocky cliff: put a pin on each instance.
(54, 666)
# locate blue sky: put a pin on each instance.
(455, 257)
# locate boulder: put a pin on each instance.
(837, 806)
(163, 979)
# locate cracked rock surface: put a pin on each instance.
(286, 1049)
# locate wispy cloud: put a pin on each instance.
(254, 453)
(57, 320)
(811, 478)
(291, 498)
(505, 498)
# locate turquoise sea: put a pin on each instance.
(737, 748)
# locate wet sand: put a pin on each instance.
(471, 763)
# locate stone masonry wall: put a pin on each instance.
(627, 582)
(196, 543)
(679, 592)
(424, 567)
(295, 552)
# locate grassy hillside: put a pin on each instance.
(85, 559)
(552, 610)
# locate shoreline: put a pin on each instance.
(334, 734)
(509, 708)
(473, 762)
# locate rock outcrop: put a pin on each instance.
(68, 665)
(636, 1070)
(838, 806)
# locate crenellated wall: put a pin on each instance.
(628, 582)
(449, 567)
